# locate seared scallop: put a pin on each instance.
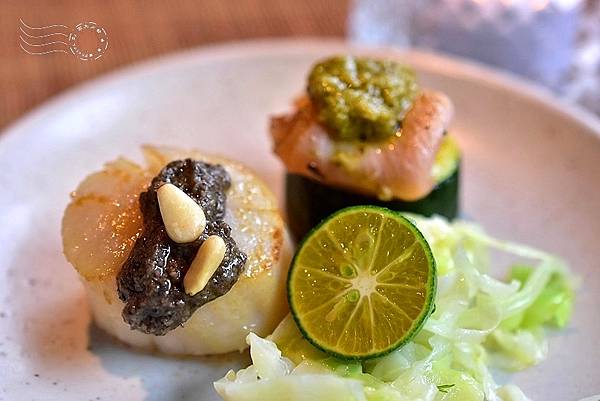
(103, 221)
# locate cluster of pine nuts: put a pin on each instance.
(185, 221)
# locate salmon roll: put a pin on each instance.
(365, 133)
(185, 255)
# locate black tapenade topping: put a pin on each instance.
(151, 279)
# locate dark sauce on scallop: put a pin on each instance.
(151, 279)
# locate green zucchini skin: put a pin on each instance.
(309, 201)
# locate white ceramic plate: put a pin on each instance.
(531, 174)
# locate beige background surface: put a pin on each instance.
(138, 30)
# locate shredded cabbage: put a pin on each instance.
(479, 322)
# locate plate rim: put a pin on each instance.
(437, 62)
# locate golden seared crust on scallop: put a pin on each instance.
(103, 220)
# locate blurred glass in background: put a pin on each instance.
(555, 43)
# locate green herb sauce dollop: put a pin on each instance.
(361, 99)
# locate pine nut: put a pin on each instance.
(184, 219)
(207, 261)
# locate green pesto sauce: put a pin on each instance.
(359, 98)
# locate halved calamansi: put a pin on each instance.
(362, 283)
